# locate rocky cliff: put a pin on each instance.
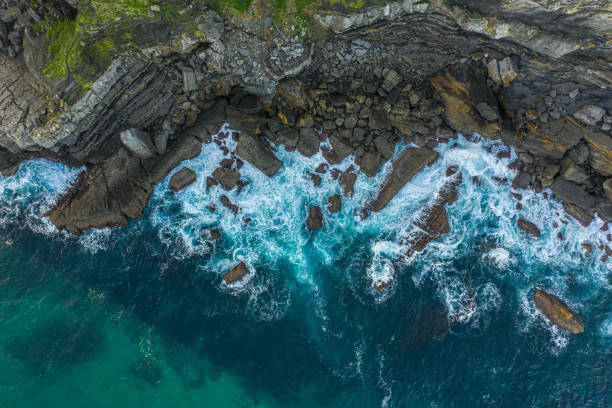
(130, 88)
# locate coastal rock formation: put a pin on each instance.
(536, 76)
(529, 227)
(557, 312)
(182, 179)
(236, 274)
(315, 218)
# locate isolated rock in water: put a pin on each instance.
(557, 312)
(315, 218)
(182, 179)
(237, 273)
(253, 150)
(407, 165)
(433, 221)
(529, 227)
(138, 142)
(228, 178)
(227, 203)
(334, 203)
(347, 183)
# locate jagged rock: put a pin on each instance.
(308, 144)
(182, 179)
(486, 112)
(600, 146)
(507, 70)
(334, 203)
(370, 163)
(385, 147)
(550, 139)
(391, 81)
(583, 215)
(572, 193)
(574, 173)
(340, 150)
(315, 218)
(138, 142)
(190, 84)
(404, 167)
(227, 178)
(493, 68)
(228, 204)
(462, 87)
(347, 183)
(521, 180)
(607, 188)
(236, 274)
(557, 312)
(529, 227)
(292, 93)
(251, 149)
(590, 114)
(315, 178)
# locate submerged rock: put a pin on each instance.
(182, 179)
(236, 274)
(315, 218)
(334, 203)
(529, 227)
(557, 312)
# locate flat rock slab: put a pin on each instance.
(182, 179)
(253, 150)
(573, 193)
(236, 274)
(557, 312)
(406, 166)
(228, 178)
(315, 218)
(334, 203)
(529, 227)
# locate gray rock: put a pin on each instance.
(190, 83)
(521, 180)
(486, 112)
(161, 141)
(574, 173)
(308, 144)
(291, 137)
(507, 70)
(590, 114)
(574, 194)
(350, 122)
(182, 179)
(253, 150)
(391, 81)
(370, 163)
(405, 166)
(579, 153)
(385, 147)
(138, 142)
(607, 188)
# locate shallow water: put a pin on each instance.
(140, 316)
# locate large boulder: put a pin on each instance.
(573, 193)
(370, 163)
(236, 274)
(308, 144)
(253, 150)
(228, 178)
(405, 166)
(529, 227)
(138, 142)
(182, 179)
(557, 312)
(550, 139)
(315, 218)
(292, 93)
(463, 88)
(600, 146)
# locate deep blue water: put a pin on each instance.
(140, 316)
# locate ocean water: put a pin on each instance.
(140, 316)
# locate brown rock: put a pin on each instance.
(334, 203)
(228, 178)
(236, 274)
(210, 182)
(227, 203)
(315, 218)
(587, 247)
(253, 150)
(315, 178)
(557, 312)
(215, 233)
(405, 166)
(322, 168)
(529, 227)
(308, 144)
(182, 179)
(347, 183)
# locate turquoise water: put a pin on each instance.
(140, 316)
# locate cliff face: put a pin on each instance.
(535, 74)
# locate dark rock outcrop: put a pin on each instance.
(251, 149)
(529, 227)
(334, 203)
(182, 179)
(227, 178)
(557, 312)
(236, 274)
(315, 218)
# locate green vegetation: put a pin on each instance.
(349, 3)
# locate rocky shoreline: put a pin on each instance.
(361, 80)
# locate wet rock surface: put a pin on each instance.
(315, 218)
(557, 312)
(429, 71)
(182, 179)
(236, 274)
